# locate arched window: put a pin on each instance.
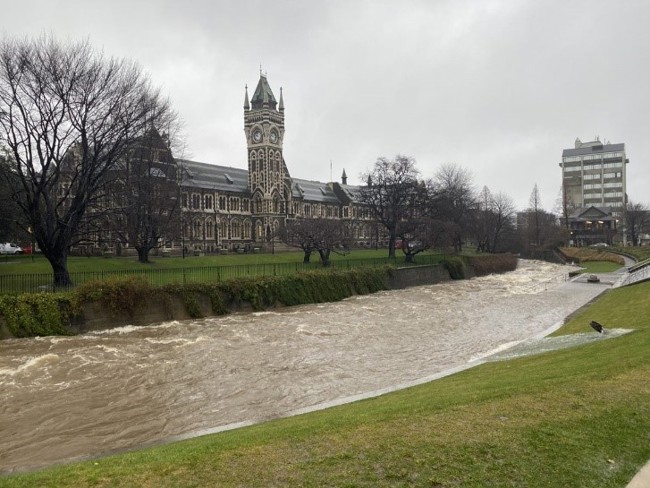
(235, 229)
(259, 232)
(257, 204)
(253, 161)
(246, 229)
(223, 230)
(197, 234)
(276, 203)
(209, 229)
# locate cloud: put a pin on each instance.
(498, 87)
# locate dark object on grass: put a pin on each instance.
(597, 327)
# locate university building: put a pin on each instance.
(593, 174)
(235, 209)
(594, 190)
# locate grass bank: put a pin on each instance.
(577, 417)
(582, 255)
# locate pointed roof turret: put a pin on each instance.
(263, 96)
(344, 178)
(246, 104)
(281, 106)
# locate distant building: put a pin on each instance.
(592, 225)
(593, 174)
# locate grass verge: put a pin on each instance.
(577, 417)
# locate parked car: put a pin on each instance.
(10, 248)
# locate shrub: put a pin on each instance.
(119, 295)
(37, 314)
(455, 266)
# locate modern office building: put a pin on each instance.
(593, 174)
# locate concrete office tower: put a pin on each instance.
(593, 174)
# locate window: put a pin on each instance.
(568, 169)
(208, 202)
(197, 229)
(246, 205)
(223, 230)
(222, 203)
(235, 229)
(209, 229)
(184, 200)
(196, 201)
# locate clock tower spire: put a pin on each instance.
(268, 179)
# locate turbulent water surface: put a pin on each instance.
(72, 397)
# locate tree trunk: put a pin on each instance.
(307, 257)
(408, 257)
(143, 254)
(325, 257)
(391, 244)
(60, 271)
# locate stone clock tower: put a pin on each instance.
(268, 179)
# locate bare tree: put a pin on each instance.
(453, 200)
(323, 236)
(391, 193)
(535, 212)
(502, 215)
(417, 235)
(145, 194)
(636, 216)
(67, 116)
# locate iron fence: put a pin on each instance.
(26, 283)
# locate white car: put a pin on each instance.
(10, 248)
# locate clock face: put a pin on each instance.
(274, 137)
(257, 135)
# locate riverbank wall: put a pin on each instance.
(132, 301)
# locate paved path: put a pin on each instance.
(642, 479)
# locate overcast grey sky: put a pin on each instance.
(497, 87)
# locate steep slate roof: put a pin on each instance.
(213, 177)
(594, 149)
(590, 213)
(229, 179)
(313, 191)
(263, 94)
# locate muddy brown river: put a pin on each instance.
(65, 398)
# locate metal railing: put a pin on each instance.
(43, 282)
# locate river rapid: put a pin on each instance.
(65, 398)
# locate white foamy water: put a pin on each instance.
(70, 397)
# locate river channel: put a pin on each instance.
(64, 398)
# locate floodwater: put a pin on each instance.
(65, 398)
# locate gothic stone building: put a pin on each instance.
(226, 208)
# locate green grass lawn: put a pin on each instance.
(20, 274)
(38, 264)
(577, 418)
(600, 266)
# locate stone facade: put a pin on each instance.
(233, 209)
